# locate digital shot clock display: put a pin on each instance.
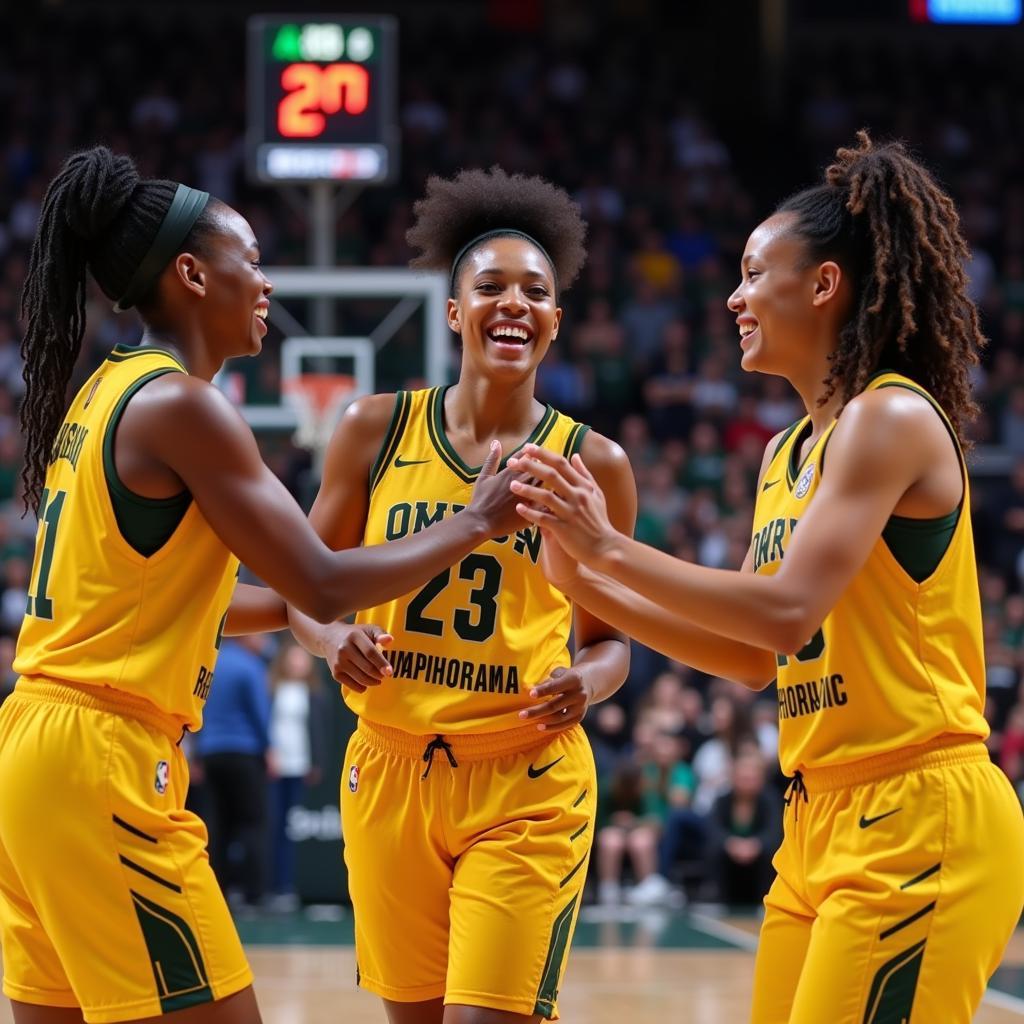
(322, 98)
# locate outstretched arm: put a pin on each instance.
(191, 428)
(255, 610)
(663, 630)
(867, 478)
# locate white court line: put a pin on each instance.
(744, 940)
(724, 931)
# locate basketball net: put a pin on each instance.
(318, 400)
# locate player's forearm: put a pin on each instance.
(368, 576)
(667, 632)
(312, 635)
(255, 610)
(604, 665)
(740, 605)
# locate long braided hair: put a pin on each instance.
(97, 214)
(883, 218)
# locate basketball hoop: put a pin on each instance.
(318, 400)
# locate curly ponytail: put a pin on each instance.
(885, 220)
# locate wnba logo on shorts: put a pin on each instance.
(353, 778)
(163, 770)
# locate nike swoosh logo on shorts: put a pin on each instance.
(400, 462)
(868, 822)
(536, 773)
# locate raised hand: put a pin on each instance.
(353, 655)
(564, 499)
(493, 500)
(564, 698)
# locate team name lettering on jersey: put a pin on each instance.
(454, 673)
(408, 517)
(203, 683)
(811, 697)
(68, 443)
(769, 543)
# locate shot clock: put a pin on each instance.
(322, 98)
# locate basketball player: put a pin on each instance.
(900, 875)
(468, 794)
(148, 494)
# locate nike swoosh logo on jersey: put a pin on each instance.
(868, 822)
(536, 773)
(400, 462)
(769, 483)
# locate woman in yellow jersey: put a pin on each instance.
(900, 875)
(149, 490)
(468, 789)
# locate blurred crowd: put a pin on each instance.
(670, 186)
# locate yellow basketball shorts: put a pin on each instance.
(466, 858)
(107, 899)
(900, 881)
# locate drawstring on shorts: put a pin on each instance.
(438, 743)
(794, 791)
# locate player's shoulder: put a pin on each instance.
(870, 421)
(360, 433)
(602, 454)
(370, 415)
(179, 400)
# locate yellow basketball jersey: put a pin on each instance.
(469, 645)
(896, 662)
(100, 613)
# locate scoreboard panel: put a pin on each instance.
(322, 98)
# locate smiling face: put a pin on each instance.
(505, 310)
(783, 300)
(236, 299)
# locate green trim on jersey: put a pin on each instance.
(919, 545)
(795, 464)
(451, 458)
(147, 524)
(786, 436)
(392, 437)
(122, 353)
(574, 442)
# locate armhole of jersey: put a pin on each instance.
(146, 524)
(909, 386)
(574, 442)
(919, 545)
(392, 436)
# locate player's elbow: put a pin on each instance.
(317, 602)
(792, 625)
(793, 635)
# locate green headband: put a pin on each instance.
(183, 212)
(498, 233)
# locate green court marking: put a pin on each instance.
(658, 929)
(295, 930)
(649, 930)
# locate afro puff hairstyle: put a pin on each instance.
(457, 210)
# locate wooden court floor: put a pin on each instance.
(620, 973)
